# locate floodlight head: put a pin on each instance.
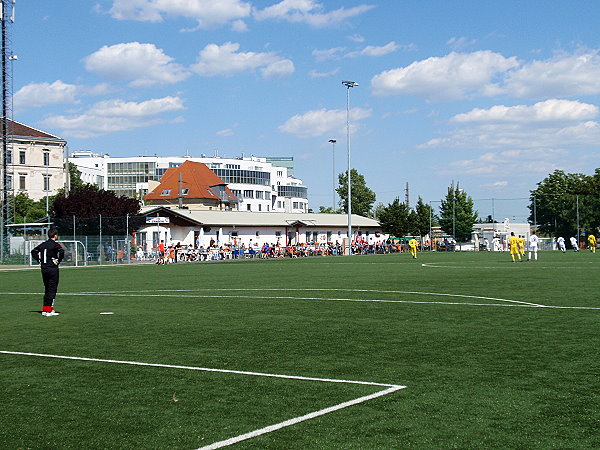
(350, 84)
(333, 141)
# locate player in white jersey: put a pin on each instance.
(533, 246)
(574, 243)
(561, 243)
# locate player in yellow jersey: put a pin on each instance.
(521, 244)
(513, 246)
(412, 245)
(592, 241)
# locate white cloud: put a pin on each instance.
(372, 50)
(562, 76)
(114, 115)
(516, 162)
(146, 108)
(547, 111)
(226, 60)
(226, 132)
(239, 26)
(42, 94)
(460, 43)
(328, 54)
(356, 38)
(281, 68)
(321, 121)
(309, 12)
(451, 77)
(208, 13)
(35, 95)
(143, 64)
(315, 74)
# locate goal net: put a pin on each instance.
(75, 252)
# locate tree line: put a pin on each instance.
(566, 204)
(456, 216)
(562, 204)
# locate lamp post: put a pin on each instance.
(333, 141)
(349, 84)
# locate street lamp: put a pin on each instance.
(349, 84)
(333, 141)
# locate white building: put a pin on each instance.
(261, 184)
(251, 229)
(35, 162)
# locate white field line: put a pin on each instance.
(377, 291)
(276, 297)
(294, 421)
(195, 293)
(442, 265)
(389, 388)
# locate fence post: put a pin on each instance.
(100, 247)
(577, 201)
(127, 239)
(534, 214)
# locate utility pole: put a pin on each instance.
(6, 18)
(407, 196)
(180, 190)
(349, 84)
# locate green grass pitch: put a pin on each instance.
(507, 359)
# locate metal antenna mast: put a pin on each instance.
(7, 17)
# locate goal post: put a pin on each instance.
(75, 252)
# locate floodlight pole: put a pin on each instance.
(333, 141)
(349, 84)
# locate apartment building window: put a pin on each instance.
(279, 204)
(22, 178)
(46, 158)
(9, 184)
(248, 194)
(280, 173)
(259, 207)
(9, 157)
(259, 195)
(248, 207)
(22, 157)
(267, 195)
(46, 183)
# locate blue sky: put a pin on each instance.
(494, 95)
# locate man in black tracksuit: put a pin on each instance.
(49, 254)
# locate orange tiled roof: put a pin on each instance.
(196, 177)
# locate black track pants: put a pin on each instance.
(50, 277)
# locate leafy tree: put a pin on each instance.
(75, 176)
(90, 202)
(422, 217)
(395, 219)
(558, 198)
(457, 215)
(362, 197)
(378, 210)
(328, 210)
(27, 209)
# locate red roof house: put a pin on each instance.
(192, 185)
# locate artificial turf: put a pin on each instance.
(480, 372)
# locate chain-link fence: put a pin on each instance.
(97, 240)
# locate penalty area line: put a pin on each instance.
(389, 388)
(296, 420)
